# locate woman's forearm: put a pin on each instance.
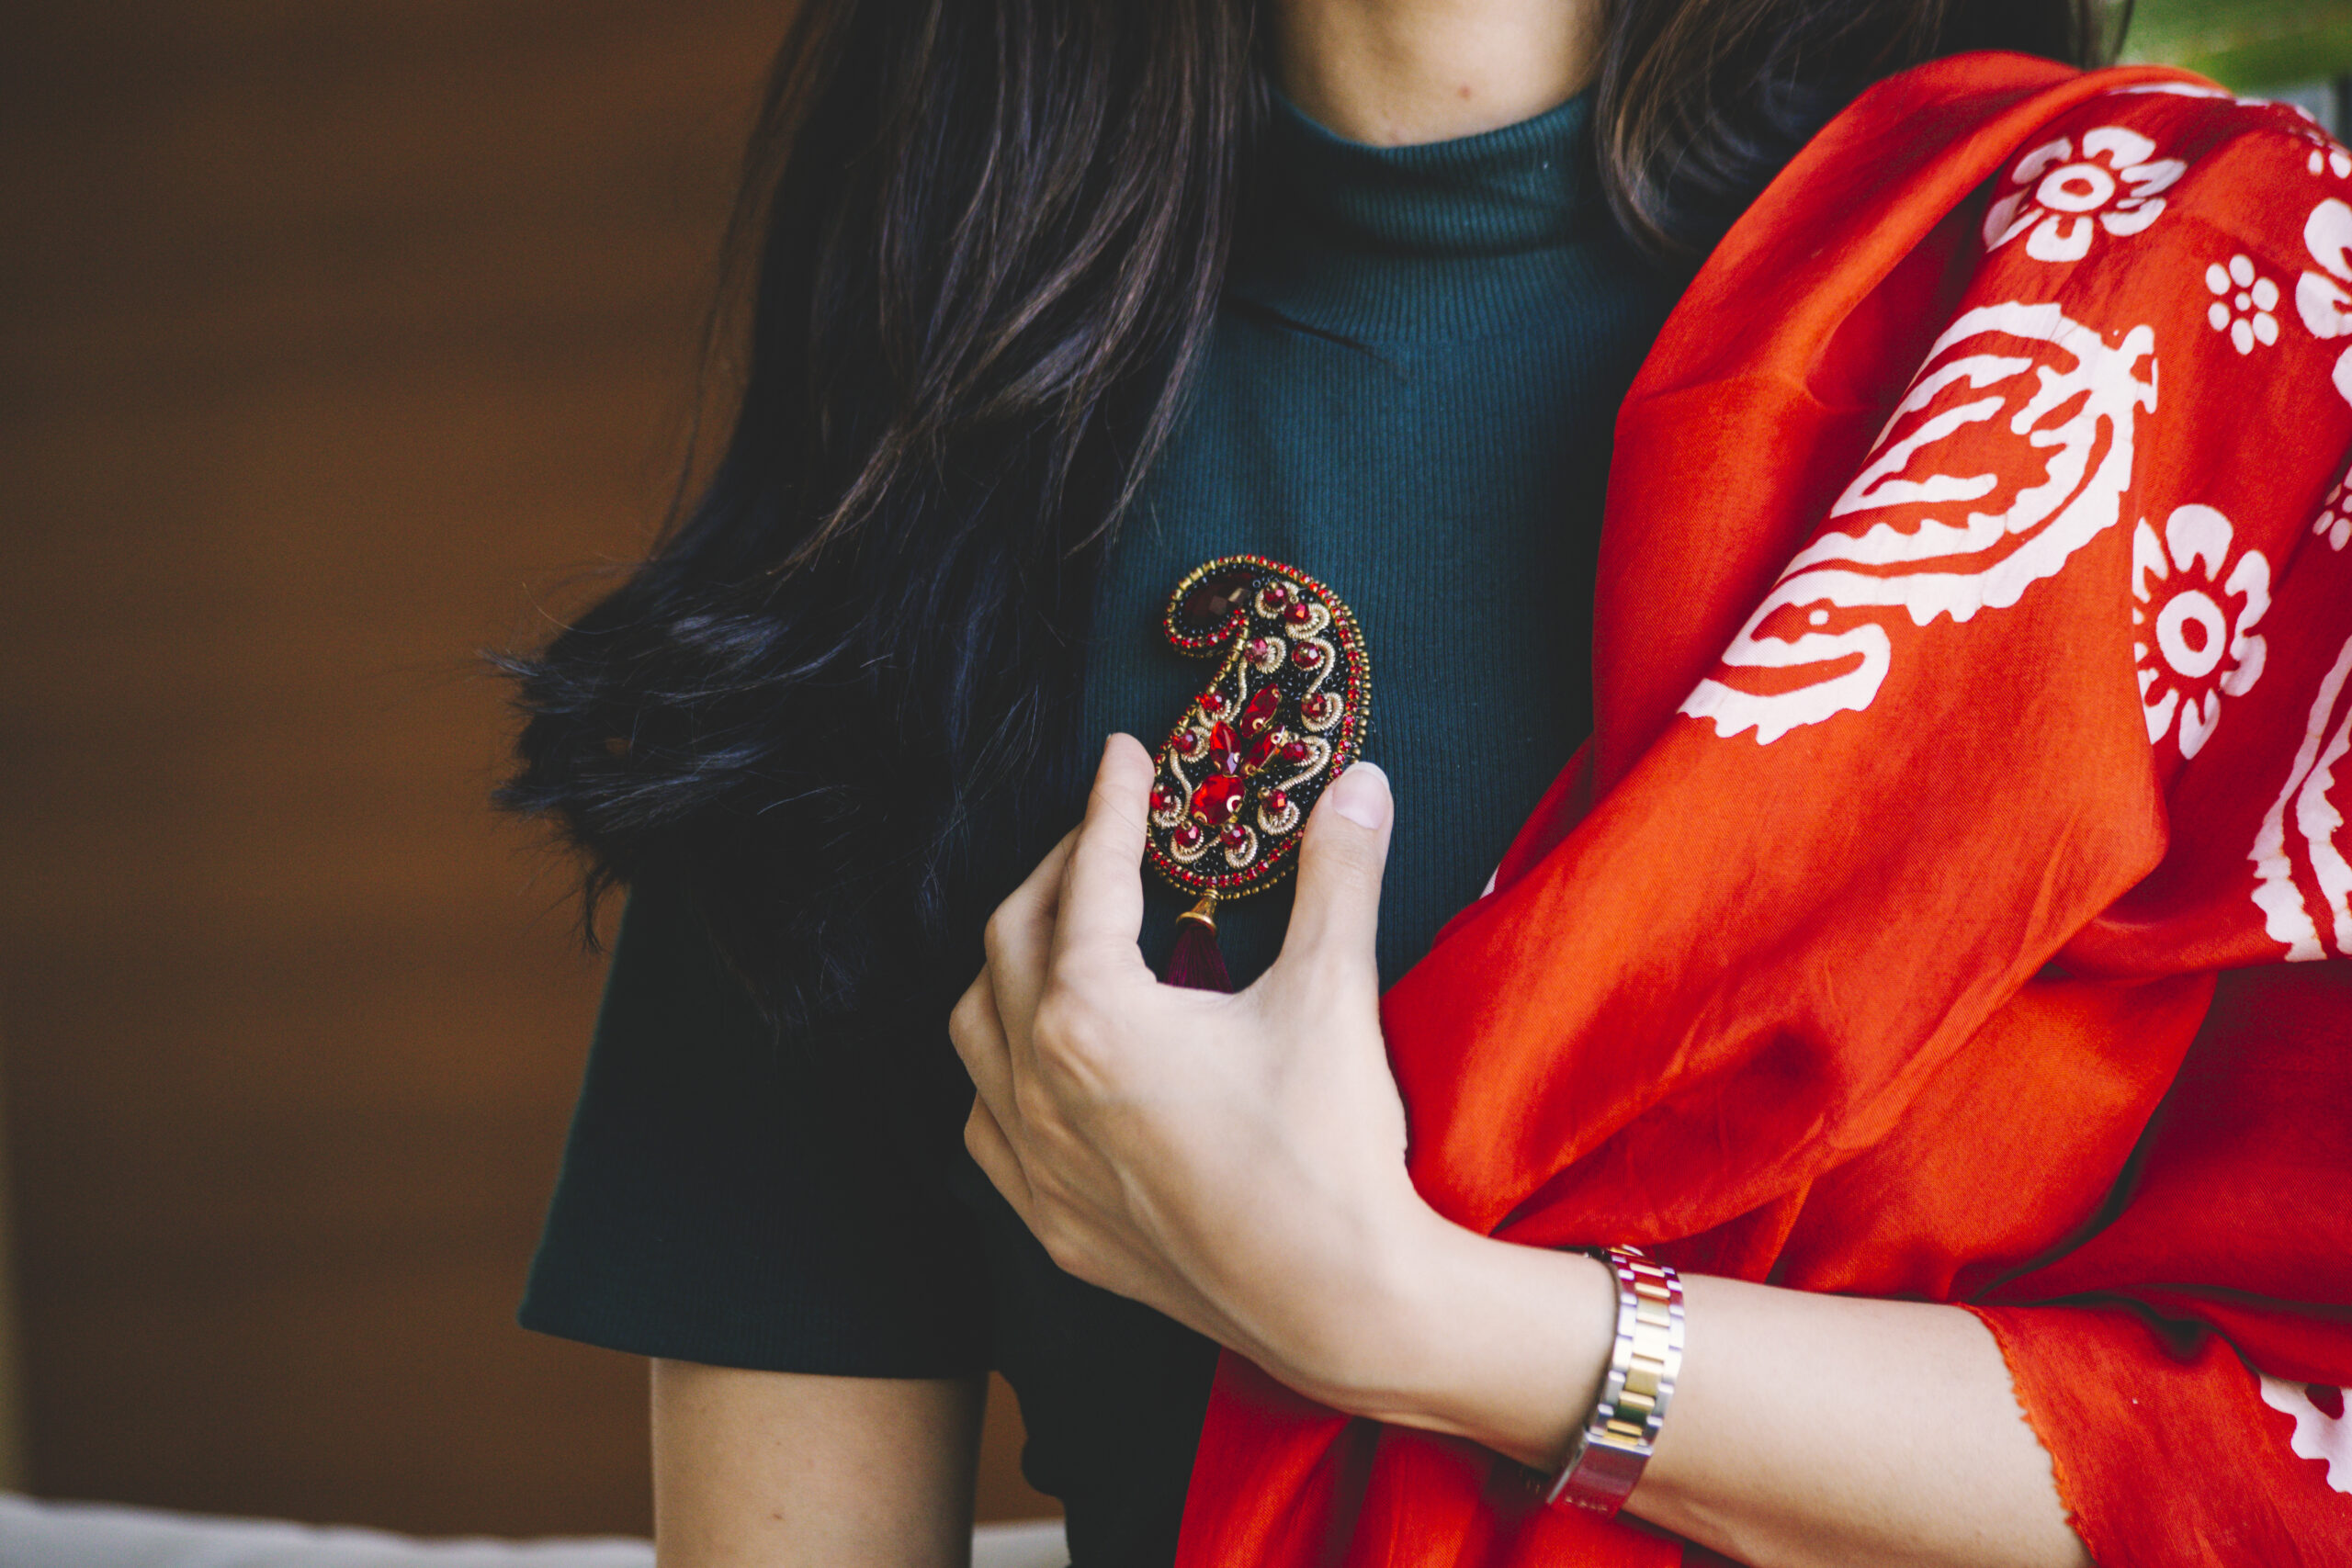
(1239, 1162)
(1820, 1429)
(1805, 1428)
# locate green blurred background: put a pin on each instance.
(2248, 45)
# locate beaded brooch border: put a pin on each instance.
(1284, 715)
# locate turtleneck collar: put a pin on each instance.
(1444, 238)
(1518, 188)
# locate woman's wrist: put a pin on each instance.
(1462, 1334)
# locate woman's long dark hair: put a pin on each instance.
(991, 236)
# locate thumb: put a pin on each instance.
(1337, 913)
(1102, 893)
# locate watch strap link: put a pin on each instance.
(1606, 1459)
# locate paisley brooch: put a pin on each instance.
(1283, 716)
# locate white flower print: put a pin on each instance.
(2334, 523)
(2246, 299)
(2320, 297)
(2190, 628)
(2323, 154)
(2061, 200)
(2321, 1430)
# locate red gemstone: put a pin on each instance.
(1277, 595)
(1276, 803)
(1211, 704)
(1224, 753)
(1261, 751)
(1319, 706)
(1294, 753)
(1186, 835)
(1259, 711)
(1301, 613)
(1260, 650)
(1306, 656)
(1218, 597)
(1215, 800)
(1162, 798)
(1234, 836)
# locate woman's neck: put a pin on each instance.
(1396, 71)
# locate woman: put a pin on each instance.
(1058, 303)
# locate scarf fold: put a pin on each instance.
(1953, 901)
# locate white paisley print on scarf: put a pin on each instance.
(2321, 1430)
(1819, 644)
(2304, 816)
(2189, 650)
(2060, 201)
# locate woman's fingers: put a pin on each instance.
(993, 1152)
(1101, 903)
(1019, 937)
(978, 1034)
(979, 1037)
(1336, 915)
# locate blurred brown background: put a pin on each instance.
(336, 340)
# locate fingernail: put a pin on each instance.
(1361, 796)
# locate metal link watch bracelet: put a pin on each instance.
(1605, 1461)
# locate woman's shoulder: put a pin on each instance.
(2066, 158)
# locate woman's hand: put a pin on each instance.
(1239, 1162)
(1235, 1161)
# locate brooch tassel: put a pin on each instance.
(1196, 962)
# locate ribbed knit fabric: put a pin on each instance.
(1409, 394)
(1411, 398)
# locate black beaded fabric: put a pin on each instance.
(1408, 397)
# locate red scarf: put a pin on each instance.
(1926, 916)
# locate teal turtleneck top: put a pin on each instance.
(1410, 396)
(1409, 393)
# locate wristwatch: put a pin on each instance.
(1605, 1461)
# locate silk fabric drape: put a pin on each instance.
(1974, 668)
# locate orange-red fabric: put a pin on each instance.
(1973, 680)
